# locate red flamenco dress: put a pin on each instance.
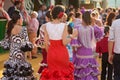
(59, 67)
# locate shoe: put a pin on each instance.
(34, 57)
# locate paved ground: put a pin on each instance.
(34, 62)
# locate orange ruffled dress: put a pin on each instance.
(59, 67)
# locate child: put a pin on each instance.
(102, 47)
(69, 47)
(70, 31)
(77, 21)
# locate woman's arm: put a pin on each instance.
(46, 39)
(98, 33)
(25, 13)
(75, 33)
(66, 37)
(27, 16)
(4, 13)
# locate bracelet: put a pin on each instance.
(69, 36)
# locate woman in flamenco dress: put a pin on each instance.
(16, 40)
(56, 38)
(86, 67)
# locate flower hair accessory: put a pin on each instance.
(60, 15)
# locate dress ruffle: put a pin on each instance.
(89, 77)
(43, 63)
(86, 69)
(17, 70)
(57, 74)
(74, 43)
(84, 63)
(98, 32)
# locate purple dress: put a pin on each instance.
(77, 21)
(74, 43)
(85, 63)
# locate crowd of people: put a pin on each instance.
(70, 40)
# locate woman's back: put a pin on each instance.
(55, 31)
(16, 41)
(19, 37)
(85, 36)
(56, 51)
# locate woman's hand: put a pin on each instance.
(1, 3)
(1, 9)
(110, 59)
(4, 13)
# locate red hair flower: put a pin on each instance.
(60, 15)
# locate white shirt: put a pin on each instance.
(115, 35)
(55, 31)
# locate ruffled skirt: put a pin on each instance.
(17, 70)
(59, 66)
(74, 42)
(86, 67)
(43, 63)
(57, 74)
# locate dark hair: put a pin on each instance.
(71, 9)
(86, 18)
(119, 11)
(114, 10)
(70, 29)
(56, 10)
(17, 3)
(40, 6)
(106, 29)
(48, 14)
(69, 16)
(78, 14)
(99, 9)
(93, 14)
(14, 18)
(110, 18)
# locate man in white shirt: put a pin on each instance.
(114, 46)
